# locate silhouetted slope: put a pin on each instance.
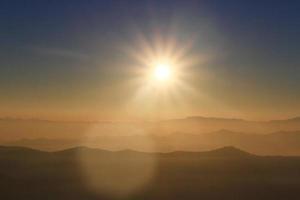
(227, 152)
(92, 174)
(81, 149)
(20, 152)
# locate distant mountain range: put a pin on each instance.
(277, 137)
(198, 124)
(110, 121)
(11, 128)
(227, 151)
(277, 143)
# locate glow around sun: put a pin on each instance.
(161, 66)
(161, 74)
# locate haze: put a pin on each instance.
(149, 99)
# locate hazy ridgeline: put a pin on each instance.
(189, 134)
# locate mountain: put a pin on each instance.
(17, 151)
(88, 173)
(276, 143)
(16, 129)
(227, 151)
(198, 124)
(45, 144)
(277, 137)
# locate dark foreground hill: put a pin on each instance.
(84, 173)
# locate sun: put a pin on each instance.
(162, 72)
(161, 65)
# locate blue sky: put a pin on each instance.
(58, 58)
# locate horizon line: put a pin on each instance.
(131, 121)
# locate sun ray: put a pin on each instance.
(162, 73)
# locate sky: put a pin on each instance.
(81, 60)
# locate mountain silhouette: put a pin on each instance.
(227, 151)
(89, 173)
(276, 143)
